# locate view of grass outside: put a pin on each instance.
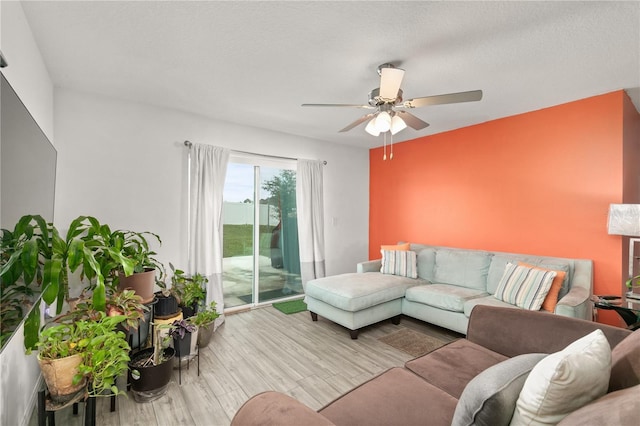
(237, 240)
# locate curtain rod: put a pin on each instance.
(188, 144)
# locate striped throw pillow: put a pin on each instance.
(523, 286)
(399, 262)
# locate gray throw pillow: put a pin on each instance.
(490, 398)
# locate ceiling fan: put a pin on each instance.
(389, 113)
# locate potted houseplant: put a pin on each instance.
(183, 333)
(59, 357)
(150, 369)
(205, 320)
(138, 316)
(190, 291)
(135, 247)
(166, 305)
(126, 303)
(70, 354)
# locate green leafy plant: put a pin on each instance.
(633, 281)
(136, 247)
(125, 303)
(205, 316)
(104, 350)
(188, 290)
(35, 255)
(107, 355)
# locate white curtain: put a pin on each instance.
(310, 209)
(206, 182)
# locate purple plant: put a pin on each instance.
(179, 328)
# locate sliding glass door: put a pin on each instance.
(260, 234)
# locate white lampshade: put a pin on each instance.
(624, 219)
(383, 122)
(371, 128)
(397, 124)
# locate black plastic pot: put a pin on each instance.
(189, 311)
(149, 383)
(182, 346)
(140, 334)
(166, 306)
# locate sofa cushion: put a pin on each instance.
(565, 381)
(490, 397)
(451, 367)
(486, 301)
(556, 264)
(625, 363)
(426, 261)
(399, 262)
(616, 408)
(396, 397)
(463, 268)
(443, 296)
(354, 292)
(524, 287)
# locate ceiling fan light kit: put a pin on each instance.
(386, 100)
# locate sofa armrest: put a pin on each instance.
(274, 408)
(577, 302)
(512, 332)
(369, 266)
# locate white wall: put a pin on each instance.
(29, 78)
(125, 163)
(26, 72)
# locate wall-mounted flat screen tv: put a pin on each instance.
(27, 171)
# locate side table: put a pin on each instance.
(629, 314)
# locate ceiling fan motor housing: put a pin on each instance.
(376, 100)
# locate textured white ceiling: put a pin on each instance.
(255, 62)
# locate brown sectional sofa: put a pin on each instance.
(427, 390)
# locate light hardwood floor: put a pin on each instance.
(261, 350)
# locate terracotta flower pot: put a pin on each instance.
(142, 283)
(58, 375)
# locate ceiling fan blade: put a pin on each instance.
(339, 105)
(450, 98)
(412, 121)
(390, 81)
(358, 121)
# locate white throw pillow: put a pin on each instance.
(565, 381)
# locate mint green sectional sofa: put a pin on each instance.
(450, 283)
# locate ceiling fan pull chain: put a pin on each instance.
(384, 157)
(391, 156)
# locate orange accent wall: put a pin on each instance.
(538, 183)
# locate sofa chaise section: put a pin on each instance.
(357, 300)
